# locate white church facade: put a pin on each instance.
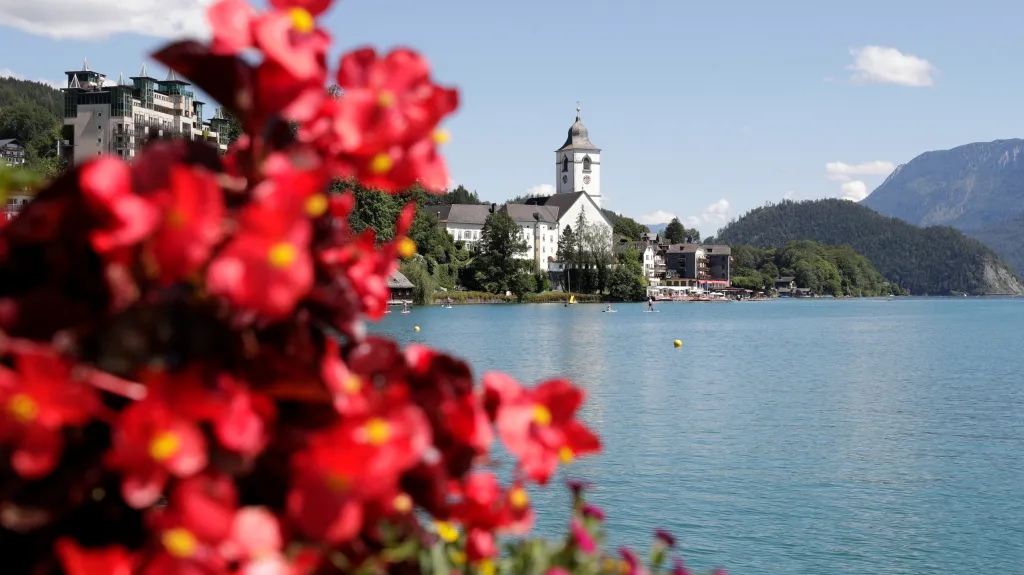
(542, 219)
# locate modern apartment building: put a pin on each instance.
(118, 119)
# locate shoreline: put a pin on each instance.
(581, 299)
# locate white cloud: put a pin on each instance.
(789, 195)
(854, 191)
(541, 190)
(8, 73)
(656, 217)
(880, 65)
(840, 172)
(716, 213)
(99, 19)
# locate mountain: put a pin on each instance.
(14, 91)
(937, 260)
(977, 188)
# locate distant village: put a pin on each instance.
(673, 271)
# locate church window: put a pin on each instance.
(586, 163)
(565, 164)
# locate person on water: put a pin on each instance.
(650, 303)
(609, 308)
(405, 306)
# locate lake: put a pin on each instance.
(817, 437)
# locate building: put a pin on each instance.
(698, 265)
(539, 229)
(542, 219)
(12, 152)
(648, 257)
(15, 203)
(119, 118)
(578, 163)
(463, 222)
(401, 288)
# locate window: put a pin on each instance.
(586, 163)
(565, 163)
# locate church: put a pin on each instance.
(542, 218)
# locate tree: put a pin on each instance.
(496, 269)
(693, 234)
(626, 281)
(567, 244)
(629, 227)
(675, 233)
(460, 195)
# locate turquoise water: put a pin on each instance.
(788, 437)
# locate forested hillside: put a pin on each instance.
(31, 112)
(826, 270)
(933, 261)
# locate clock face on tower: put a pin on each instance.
(565, 179)
(586, 179)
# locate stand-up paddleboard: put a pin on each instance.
(387, 311)
(651, 311)
(609, 310)
(406, 312)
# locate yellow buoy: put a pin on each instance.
(417, 328)
(678, 343)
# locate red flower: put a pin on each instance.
(77, 560)
(125, 218)
(389, 101)
(195, 529)
(262, 273)
(538, 425)
(290, 39)
(582, 537)
(362, 458)
(350, 391)
(39, 397)
(633, 564)
(192, 209)
(150, 443)
(231, 24)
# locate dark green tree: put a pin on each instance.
(675, 233)
(496, 269)
(626, 226)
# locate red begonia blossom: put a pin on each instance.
(40, 397)
(150, 443)
(538, 425)
(193, 210)
(126, 218)
(77, 560)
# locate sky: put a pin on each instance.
(703, 110)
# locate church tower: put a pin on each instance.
(578, 163)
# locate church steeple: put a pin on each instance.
(578, 163)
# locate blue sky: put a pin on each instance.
(703, 109)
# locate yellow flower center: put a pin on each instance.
(541, 415)
(519, 498)
(23, 408)
(457, 557)
(175, 218)
(447, 532)
(381, 163)
(179, 542)
(485, 567)
(353, 383)
(302, 20)
(441, 137)
(402, 503)
(316, 205)
(566, 455)
(164, 446)
(377, 431)
(282, 255)
(386, 99)
(406, 248)
(337, 483)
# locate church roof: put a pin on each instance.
(562, 203)
(578, 138)
(524, 213)
(462, 213)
